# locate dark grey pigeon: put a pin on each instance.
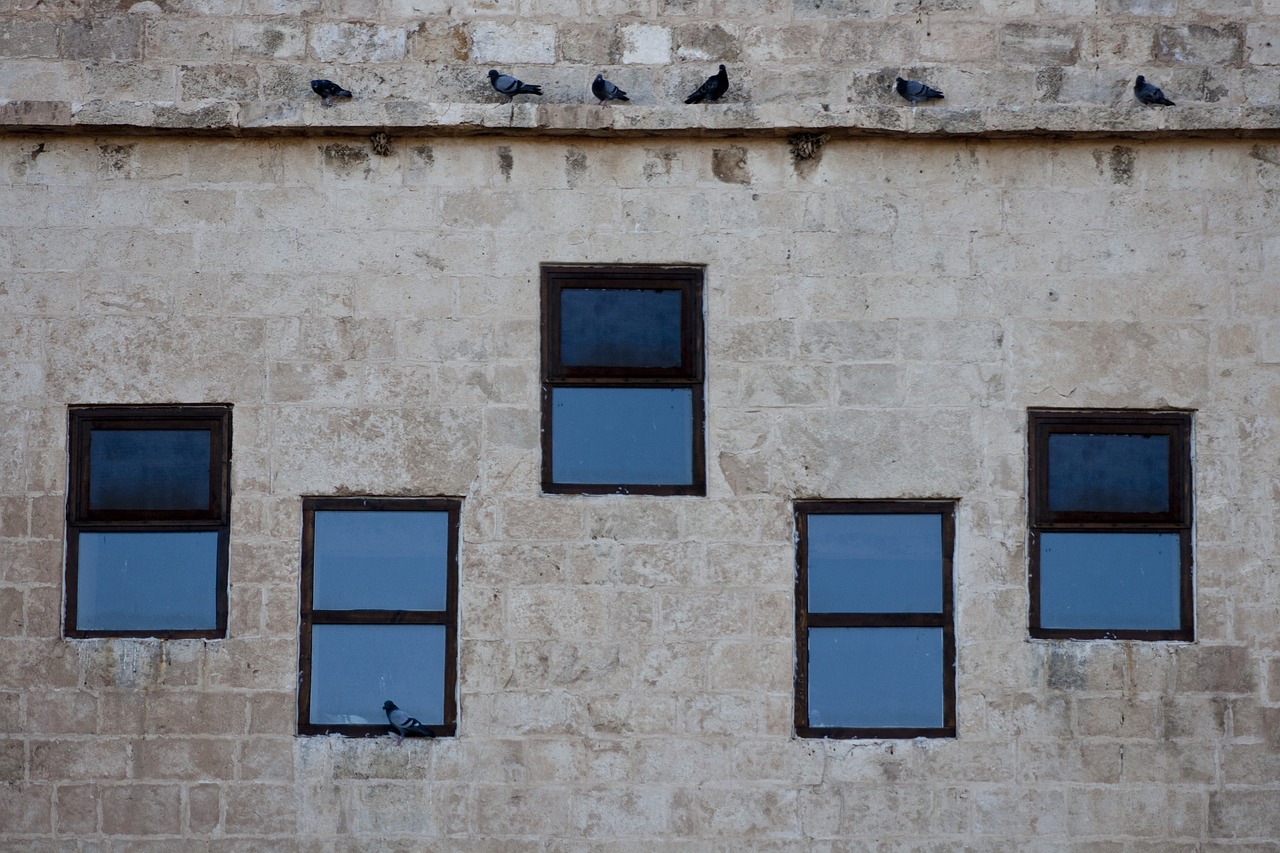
(916, 92)
(1148, 94)
(511, 87)
(606, 91)
(403, 723)
(712, 90)
(328, 90)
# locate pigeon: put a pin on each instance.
(716, 85)
(511, 87)
(1148, 94)
(916, 92)
(328, 90)
(403, 723)
(606, 91)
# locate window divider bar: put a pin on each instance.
(877, 620)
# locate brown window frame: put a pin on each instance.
(310, 616)
(81, 518)
(806, 620)
(689, 374)
(1041, 424)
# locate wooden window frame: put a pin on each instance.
(310, 616)
(81, 518)
(1041, 424)
(689, 374)
(806, 620)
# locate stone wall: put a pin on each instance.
(879, 318)
(242, 64)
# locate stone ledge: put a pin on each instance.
(229, 118)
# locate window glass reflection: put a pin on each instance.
(355, 668)
(875, 677)
(147, 581)
(1110, 581)
(620, 328)
(371, 560)
(1108, 473)
(149, 468)
(622, 435)
(875, 563)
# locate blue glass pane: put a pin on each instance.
(149, 468)
(620, 328)
(873, 563)
(1110, 581)
(1108, 473)
(147, 582)
(624, 436)
(355, 668)
(367, 560)
(875, 678)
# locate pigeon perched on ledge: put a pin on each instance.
(606, 91)
(915, 92)
(403, 723)
(328, 90)
(1149, 94)
(510, 86)
(712, 90)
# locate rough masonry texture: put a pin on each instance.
(879, 317)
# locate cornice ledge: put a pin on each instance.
(309, 118)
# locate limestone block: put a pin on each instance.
(221, 82)
(1200, 43)
(1263, 43)
(434, 41)
(347, 43)
(1216, 669)
(62, 712)
(645, 44)
(183, 758)
(260, 808)
(204, 808)
(494, 42)
(202, 713)
(64, 758)
(103, 38)
(272, 713)
(752, 666)
(76, 809)
(28, 38)
(189, 40)
(268, 39)
(1144, 8)
(130, 81)
(34, 82)
(12, 761)
(620, 813)
(1243, 813)
(27, 808)
(707, 42)
(1039, 44)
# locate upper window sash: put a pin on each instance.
(683, 282)
(167, 420)
(1175, 427)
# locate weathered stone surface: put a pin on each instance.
(878, 320)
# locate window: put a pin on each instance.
(875, 643)
(1110, 525)
(148, 509)
(622, 403)
(379, 613)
